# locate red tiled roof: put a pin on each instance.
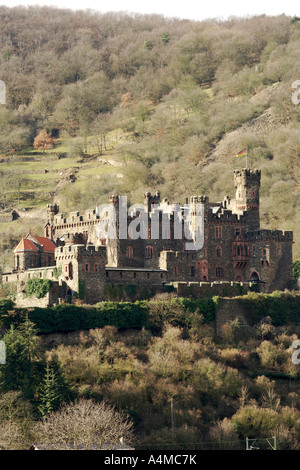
(46, 242)
(26, 245)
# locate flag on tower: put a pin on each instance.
(242, 153)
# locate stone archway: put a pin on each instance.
(69, 295)
(254, 277)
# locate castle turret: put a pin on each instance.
(150, 199)
(247, 184)
(52, 210)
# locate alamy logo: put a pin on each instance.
(117, 221)
(295, 358)
(2, 92)
(295, 95)
(2, 353)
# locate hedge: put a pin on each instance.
(151, 314)
(281, 307)
(67, 317)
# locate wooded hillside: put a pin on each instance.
(138, 103)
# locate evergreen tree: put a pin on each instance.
(19, 372)
(49, 394)
(54, 388)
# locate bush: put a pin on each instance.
(280, 306)
(252, 421)
(38, 287)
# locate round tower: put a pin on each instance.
(247, 184)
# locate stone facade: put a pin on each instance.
(235, 249)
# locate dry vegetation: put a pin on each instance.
(170, 101)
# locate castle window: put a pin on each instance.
(237, 232)
(219, 252)
(129, 251)
(96, 267)
(148, 275)
(87, 267)
(218, 232)
(192, 271)
(134, 274)
(148, 252)
(278, 250)
(121, 274)
(253, 251)
(204, 252)
(176, 270)
(219, 273)
(106, 273)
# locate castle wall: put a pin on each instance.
(49, 300)
(42, 273)
(271, 257)
(82, 270)
(137, 276)
(210, 289)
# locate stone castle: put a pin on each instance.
(82, 262)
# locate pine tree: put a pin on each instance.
(49, 392)
(54, 388)
(20, 371)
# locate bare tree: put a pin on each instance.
(86, 425)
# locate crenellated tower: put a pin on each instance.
(247, 184)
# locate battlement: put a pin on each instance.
(246, 176)
(69, 221)
(150, 199)
(226, 215)
(83, 250)
(247, 172)
(265, 235)
(199, 200)
(170, 255)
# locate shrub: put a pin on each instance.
(38, 287)
(252, 421)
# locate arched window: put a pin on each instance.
(148, 252)
(129, 251)
(219, 251)
(219, 273)
(254, 276)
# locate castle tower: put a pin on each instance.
(247, 184)
(52, 210)
(150, 199)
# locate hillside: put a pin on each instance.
(139, 103)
